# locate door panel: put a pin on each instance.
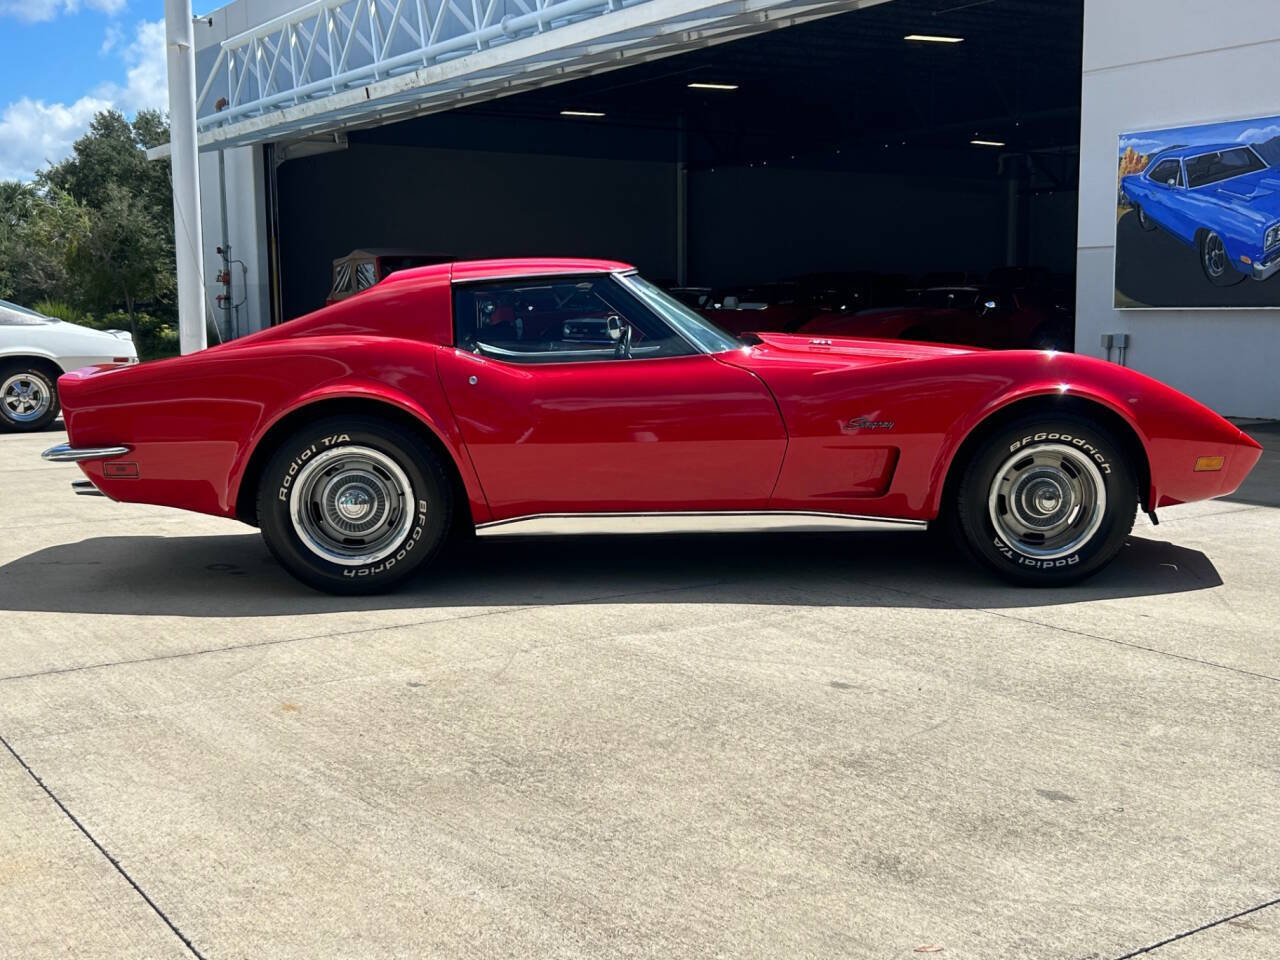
(679, 433)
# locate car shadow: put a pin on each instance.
(235, 576)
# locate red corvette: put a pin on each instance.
(457, 396)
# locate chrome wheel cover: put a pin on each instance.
(1215, 256)
(26, 398)
(352, 505)
(1047, 501)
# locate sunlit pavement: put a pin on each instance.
(737, 745)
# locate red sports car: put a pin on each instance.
(457, 396)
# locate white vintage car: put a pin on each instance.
(35, 350)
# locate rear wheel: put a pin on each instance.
(1145, 222)
(354, 505)
(28, 397)
(1047, 501)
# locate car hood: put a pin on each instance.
(1258, 193)
(857, 350)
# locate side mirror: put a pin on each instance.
(620, 333)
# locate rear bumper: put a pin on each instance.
(66, 453)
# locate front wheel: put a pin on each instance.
(354, 505)
(28, 398)
(1047, 501)
(1145, 222)
(1216, 264)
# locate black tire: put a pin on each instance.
(1217, 266)
(353, 470)
(28, 397)
(1011, 482)
(1145, 222)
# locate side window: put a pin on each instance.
(1168, 172)
(560, 320)
(365, 276)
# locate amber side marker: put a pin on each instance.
(1209, 464)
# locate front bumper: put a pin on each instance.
(66, 453)
(1267, 266)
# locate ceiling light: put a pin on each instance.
(987, 143)
(932, 38)
(713, 86)
(581, 113)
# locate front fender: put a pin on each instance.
(1062, 376)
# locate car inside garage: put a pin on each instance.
(917, 154)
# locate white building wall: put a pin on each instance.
(1150, 64)
(246, 232)
(245, 186)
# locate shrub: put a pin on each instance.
(64, 311)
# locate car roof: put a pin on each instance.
(1194, 150)
(508, 267)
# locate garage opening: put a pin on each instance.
(916, 158)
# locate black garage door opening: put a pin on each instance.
(838, 146)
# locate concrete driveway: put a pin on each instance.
(716, 745)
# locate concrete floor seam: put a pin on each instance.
(1200, 929)
(1093, 636)
(102, 850)
(345, 633)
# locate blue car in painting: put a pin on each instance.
(1222, 199)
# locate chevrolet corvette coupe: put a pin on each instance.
(1223, 200)
(453, 397)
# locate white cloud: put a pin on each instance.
(34, 133)
(1140, 144)
(32, 11)
(36, 11)
(1259, 134)
(111, 39)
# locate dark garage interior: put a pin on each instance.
(843, 148)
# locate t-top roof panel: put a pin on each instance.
(330, 65)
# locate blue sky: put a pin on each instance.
(61, 61)
(1233, 131)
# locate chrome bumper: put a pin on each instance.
(1263, 271)
(66, 453)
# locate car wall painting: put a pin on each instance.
(1198, 216)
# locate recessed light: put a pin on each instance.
(581, 113)
(713, 86)
(987, 143)
(932, 38)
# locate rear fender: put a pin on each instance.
(432, 415)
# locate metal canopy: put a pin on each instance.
(335, 64)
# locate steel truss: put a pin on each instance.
(333, 64)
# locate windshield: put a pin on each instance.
(1212, 167)
(12, 315)
(693, 326)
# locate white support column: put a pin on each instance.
(180, 51)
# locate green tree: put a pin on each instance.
(40, 230)
(126, 258)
